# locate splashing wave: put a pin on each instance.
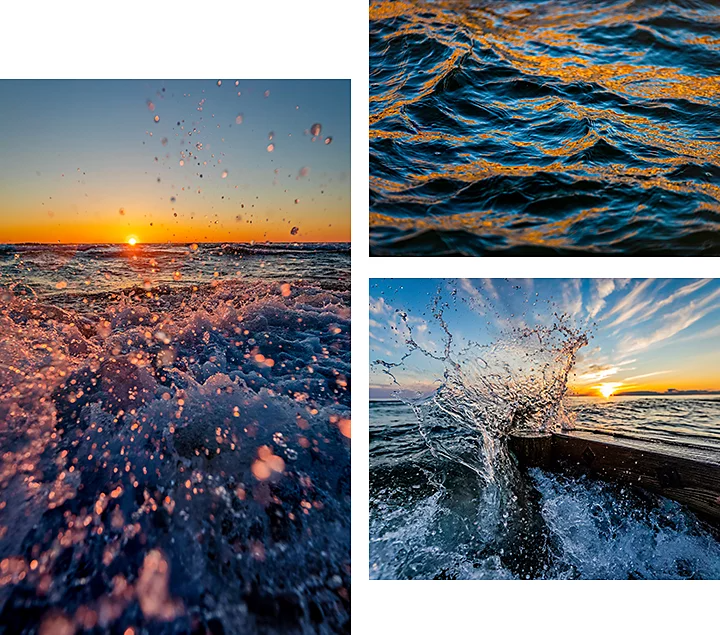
(176, 459)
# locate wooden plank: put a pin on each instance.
(690, 477)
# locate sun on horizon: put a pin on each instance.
(608, 389)
(132, 241)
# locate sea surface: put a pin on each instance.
(434, 516)
(559, 127)
(175, 438)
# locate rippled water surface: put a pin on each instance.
(546, 128)
(174, 425)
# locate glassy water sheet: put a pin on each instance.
(544, 128)
(460, 366)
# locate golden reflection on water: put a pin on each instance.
(543, 42)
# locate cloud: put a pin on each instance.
(631, 304)
(603, 287)
(572, 297)
(708, 334)
(657, 372)
(674, 323)
(380, 307)
(597, 372)
(650, 306)
(474, 294)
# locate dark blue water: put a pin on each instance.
(545, 128)
(174, 427)
(431, 517)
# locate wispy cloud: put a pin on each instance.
(380, 307)
(658, 372)
(630, 304)
(572, 297)
(647, 307)
(602, 288)
(597, 372)
(674, 323)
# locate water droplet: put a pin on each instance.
(239, 119)
(267, 93)
(224, 174)
(315, 129)
(219, 82)
(328, 141)
(297, 200)
(271, 135)
(156, 118)
(271, 147)
(294, 231)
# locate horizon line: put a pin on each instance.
(182, 242)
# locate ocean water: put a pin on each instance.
(434, 514)
(559, 127)
(175, 435)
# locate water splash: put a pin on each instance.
(447, 499)
(515, 383)
(179, 454)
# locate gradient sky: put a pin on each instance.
(76, 153)
(645, 334)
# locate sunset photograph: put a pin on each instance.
(544, 428)
(175, 356)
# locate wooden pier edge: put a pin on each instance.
(690, 480)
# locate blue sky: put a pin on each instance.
(643, 334)
(76, 152)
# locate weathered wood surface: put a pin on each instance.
(690, 476)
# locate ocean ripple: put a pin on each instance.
(549, 128)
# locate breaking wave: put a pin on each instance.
(180, 460)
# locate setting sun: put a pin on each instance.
(132, 241)
(608, 389)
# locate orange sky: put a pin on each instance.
(175, 161)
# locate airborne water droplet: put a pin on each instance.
(271, 147)
(328, 141)
(315, 129)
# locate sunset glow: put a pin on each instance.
(607, 390)
(643, 335)
(132, 241)
(179, 161)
